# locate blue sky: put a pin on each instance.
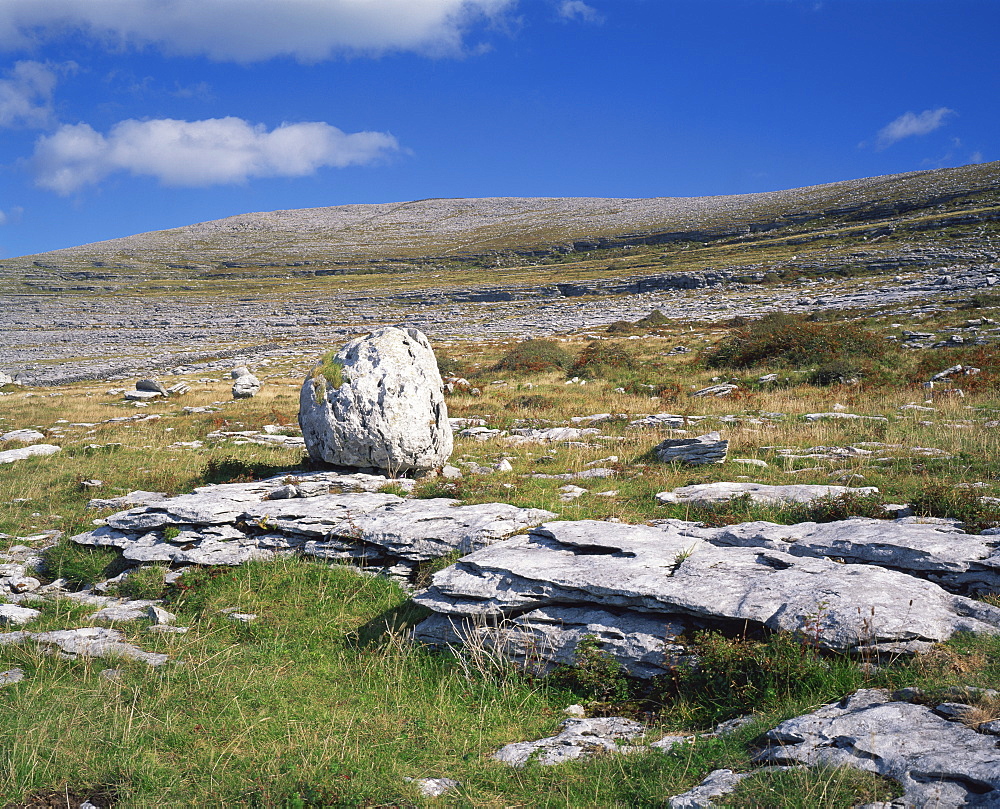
(124, 116)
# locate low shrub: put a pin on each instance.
(729, 677)
(230, 469)
(533, 356)
(837, 350)
(595, 676)
(148, 581)
(601, 359)
(965, 504)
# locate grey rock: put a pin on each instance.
(87, 642)
(122, 611)
(723, 389)
(238, 371)
(434, 787)
(705, 449)
(669, 574)
(715, 785)
(20, 454)
(712, 493)
(389, 413)
(22, 437)
(957, 561)
(246, 387)
(578, 738)
(137, 498)
(11, 676)
(159, 616)
(13, 615)
(142, 395)
(937, 762)
(151, 386)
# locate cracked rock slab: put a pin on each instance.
(90, 641)
(578, 738)
(937, 762)
(665, 575)
(713, 493)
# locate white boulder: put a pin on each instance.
(388, 410)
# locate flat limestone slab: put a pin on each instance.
(714, 493)
(664, 574)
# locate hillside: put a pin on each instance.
(367, 237)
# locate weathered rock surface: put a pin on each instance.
(230, 524)
(22, 437)
(648, 581)
(389, 413)
(940, 552)
(705, 449)
(938, 763)
(20, 454)
(246, 386)
(712, 493)
(13, 615)
(87, 642)
(579, 738)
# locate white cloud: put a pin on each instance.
(26, 95)
(910, 124)
(12, 216)
(216, 151)
(251, 30)
(578, 10)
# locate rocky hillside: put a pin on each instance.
(317, 239)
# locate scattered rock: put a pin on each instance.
(579, 738)
(11, 676)
(22, 437)
(434, 787)
(713, 493)
(938, 763)
(151, 386)
(87, 642)
(12, 455)
(705, 449)
(246, 387)
(13, 615)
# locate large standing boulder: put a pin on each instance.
(378, 403)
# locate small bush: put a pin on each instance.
(845, 349)
(653, 319)
(843, 506)
(734, 676)
(595, 675)
(600, 360)
(534, 356)
(230, 469)
(448, 366)
(958, 503)
(621, 327)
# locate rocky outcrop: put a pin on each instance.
(706, 494)
(705, 449)
(938, 762)
(234, 523)
(379, 406)
(638, 588)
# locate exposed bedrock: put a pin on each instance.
(637, 588)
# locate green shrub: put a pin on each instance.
(958, 503)
(148, 581)
(448, 366)
(838, 350)
(534, 356)
(595, 675)
(843, 506)
(331, 369)
(653, 319)
(230, 469)
(601, 359)
(729, 677)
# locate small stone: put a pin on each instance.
(159, 616)
(242, 617)
(11, 676)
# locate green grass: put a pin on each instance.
(322, 701)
